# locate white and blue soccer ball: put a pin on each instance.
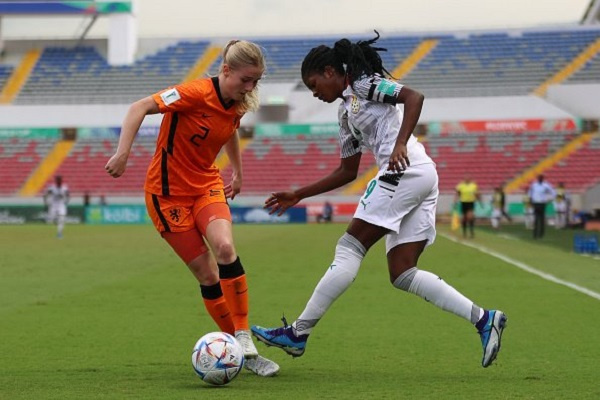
(217, 358)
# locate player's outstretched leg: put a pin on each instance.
(489, 323)
(261, 366)
(490, 330)
(283, 337)
(349, 253)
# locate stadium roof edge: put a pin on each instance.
(459, 33)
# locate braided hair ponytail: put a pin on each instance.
(351, 59)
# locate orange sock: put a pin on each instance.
(236, 293)
(216, 305)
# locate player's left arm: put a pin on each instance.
(232, 148)
(413, 104)
(382, 90)
(346, 172)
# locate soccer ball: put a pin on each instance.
(217, 358)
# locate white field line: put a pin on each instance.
(525, 267)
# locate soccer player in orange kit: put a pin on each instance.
(185, 195)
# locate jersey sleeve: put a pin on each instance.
(181, 97)
(349, 145)
(376, 88)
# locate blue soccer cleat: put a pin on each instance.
(491, 334)
(283, 337)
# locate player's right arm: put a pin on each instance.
(346, 172)
(131, 124)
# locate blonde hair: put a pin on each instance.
(238, 54)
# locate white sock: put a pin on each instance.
(433, 289)
(60, 224)
(349, 253)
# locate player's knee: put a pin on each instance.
(201, 268)
(225, 252)
(348, 243)
(403, 280)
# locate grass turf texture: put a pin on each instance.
(111, 313)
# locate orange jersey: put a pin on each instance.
(195, 126)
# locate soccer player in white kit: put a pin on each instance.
(56, 199)
(398, 204)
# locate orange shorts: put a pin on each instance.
(180, 213)
(182, 220)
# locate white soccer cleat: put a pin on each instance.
(247, 345)
(262, 366)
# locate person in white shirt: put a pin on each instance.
(399, 202)
(56, 199)
(540, 194)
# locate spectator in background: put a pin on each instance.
(56, 199)
(541, 193)
(86, 204)
(327, 214)
(503, 204)
(561, 206)
(86, 199)
(103, 200)
(467, 194)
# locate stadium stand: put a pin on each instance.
(490, 159)
(81, 75)
(5, 71)
(83, 170)
(285, 55)
(477, 65)
(579, 171)
(289, 162)
(496, 64)
(589, 73)
(18, 159)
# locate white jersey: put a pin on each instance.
(370, 118)
(57, 195)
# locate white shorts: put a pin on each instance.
(405, 205)
(56, 210)
(496, 213)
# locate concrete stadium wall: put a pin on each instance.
(581, 100)
(303, 109)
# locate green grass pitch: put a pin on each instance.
(111, 313)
